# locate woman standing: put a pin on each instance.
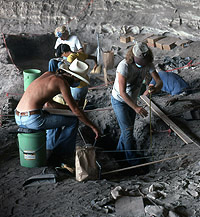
(130, 74)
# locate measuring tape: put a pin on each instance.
(150, 127)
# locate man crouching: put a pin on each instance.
(61, 130)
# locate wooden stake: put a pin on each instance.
(105, 76)
(1, 118)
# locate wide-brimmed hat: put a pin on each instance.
(78, 69)
(142, 54)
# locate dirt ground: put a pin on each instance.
(171, 187)
(178, 178)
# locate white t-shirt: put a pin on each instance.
(72, 41)
(134, 77)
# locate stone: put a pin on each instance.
(117, 192)
(130, 207)
(172, 214)
(156, 186)
(157, 211)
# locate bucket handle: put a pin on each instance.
(33, 151)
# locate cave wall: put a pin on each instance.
(86, 17)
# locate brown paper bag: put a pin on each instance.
(108, 59)
(85, 161)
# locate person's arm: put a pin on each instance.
(122, 89)
(80, 50)
(159, 83)
(65, 90)
(78, 45)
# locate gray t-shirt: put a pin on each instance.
(134, 76)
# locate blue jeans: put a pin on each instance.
(79, 94)
(53, 65)
(61, 130)
(126, 119)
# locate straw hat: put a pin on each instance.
(141, 53)
(78, 69)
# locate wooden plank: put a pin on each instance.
(159, 43)
(167, 43)
(170, 43)
(183, 42)
(132, 38)
(150, 45)
(170, 123)
(153, 39)
(124, 39)
(1, 118)
(105, 76)
(142, 37)
(66, 112)
(169, 46)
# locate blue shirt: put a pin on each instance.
(172, 83)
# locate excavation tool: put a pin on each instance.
(98, 53)
(41, 179)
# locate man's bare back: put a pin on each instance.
(43, 89)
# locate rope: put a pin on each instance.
(187, 65)
(145, 164)
(145, 150)
(103, 85)
(150, 127)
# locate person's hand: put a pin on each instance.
(141, 111)
(171, 101)
(146, 93)
(96, 131)
(151, 88)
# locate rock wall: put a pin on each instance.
(88, 17)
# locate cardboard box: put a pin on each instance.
(150, 45)
(143, 37)
(167, 43)
(132, 38)
(153, 39)
(183, 42)
(125, 39)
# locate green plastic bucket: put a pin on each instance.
(32, 149)
(30, 75)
